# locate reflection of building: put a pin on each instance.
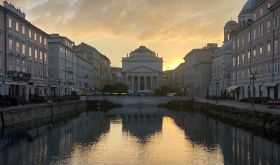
(43, 145)
(116, 75)
(221, 67)
(142, 69)
(142, 126)
(23, 55)
(256, 50)
(237, 145)
(62, 65)
(198, 70)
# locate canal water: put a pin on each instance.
(138, 136)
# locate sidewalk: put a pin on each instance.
(241, 105)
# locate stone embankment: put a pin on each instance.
(23, 117)
(29, 115)
(246, 118)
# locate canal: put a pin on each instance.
(138, 136)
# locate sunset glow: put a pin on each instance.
(117, 27)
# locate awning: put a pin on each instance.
(232, 88)
(270, 84)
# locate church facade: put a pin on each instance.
(142, 70)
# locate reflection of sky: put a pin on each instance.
(115, 27)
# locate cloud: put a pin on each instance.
(186, 22)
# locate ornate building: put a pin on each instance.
(23, 55)
(256, 57)
(221, 67)
(142, 70)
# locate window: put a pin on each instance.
(10, 23)
(261, 12)
(249, 73)
(233, 61)
(35, 36)
(268, 5)
(45, 41)
(30, 51)
(261, 31)
(254, 34)
(30, 33)
(268, 26)
(23, 49)
(249, 37)
(249, 55)
(10, 44)
(243, 40)
(242, 75)
(17, 26)
(40, 39)
(276, 22)
(45, 57)
(261, 50)
(255, 16)
(23, 29)
(238, 43)
(17, 46)
(275, 46)
(268, 48)
(41, 56)
(36, 54)
(254, 53)
(243, 58)
(238, 60)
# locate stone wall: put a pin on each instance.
(134, 100)
(254, 120)
(28, 116)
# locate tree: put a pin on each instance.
(115, 88)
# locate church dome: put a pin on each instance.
(249, 5)
(227, 46)
(142, 51)
(245, 14)
(231, 24)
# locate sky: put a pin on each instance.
(171, 28)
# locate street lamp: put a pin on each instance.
(253, 78)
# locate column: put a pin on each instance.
(132, 81)
(146, 83)
(139, 81)
(145, 86)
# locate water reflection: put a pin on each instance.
(138, 136)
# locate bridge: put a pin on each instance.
(135, 100)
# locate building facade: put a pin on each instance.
(116, 75)
(62, 66)
(255, 60)
(142, 70)
(85, 82)
(198, 70)
(105, 71)
(221, 67)
(179, 76)
(101, 73)
(23, 55)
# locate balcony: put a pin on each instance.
(19, 76)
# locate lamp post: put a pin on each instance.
(253, 78)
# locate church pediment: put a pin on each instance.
(142, 69)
